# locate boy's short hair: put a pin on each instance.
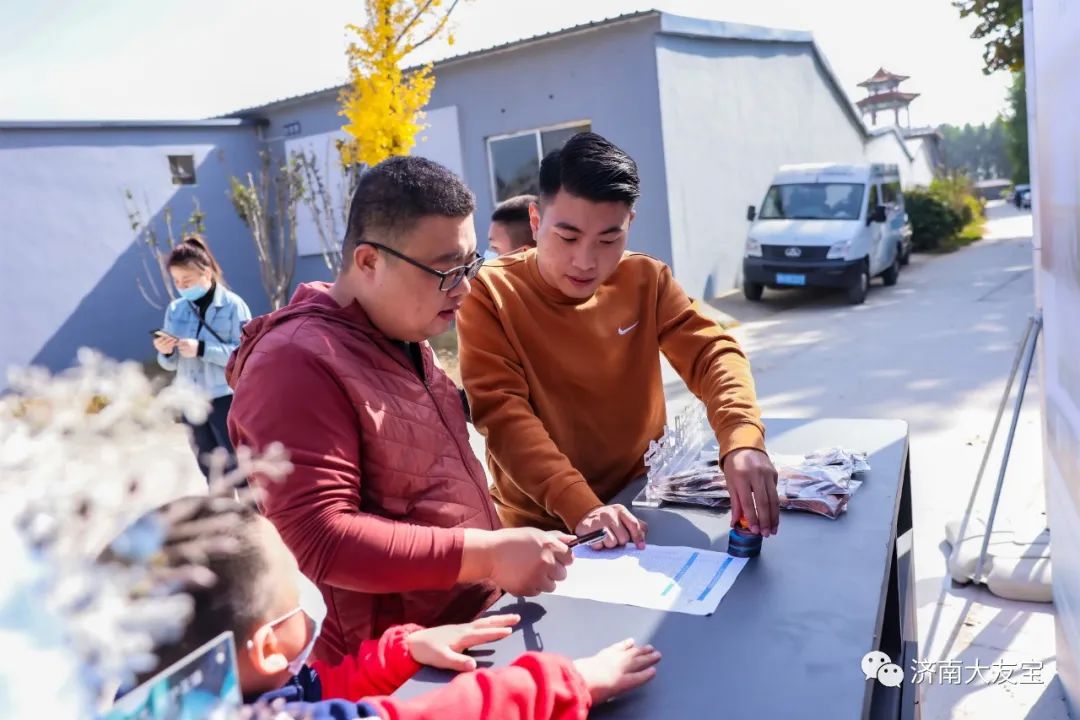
(514, 214)
(225, 537)
(391, 197)
(590, 167)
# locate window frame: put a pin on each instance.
(177, 179)
(536, 132)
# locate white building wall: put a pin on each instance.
(888, 148)
(1051, 57)
(731, 113)
(922, 163)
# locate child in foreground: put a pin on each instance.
(275, 614)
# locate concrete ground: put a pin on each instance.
(934, 350)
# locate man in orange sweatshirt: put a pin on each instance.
(560, 355)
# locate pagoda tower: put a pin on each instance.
(883, 94)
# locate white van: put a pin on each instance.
(827, 225)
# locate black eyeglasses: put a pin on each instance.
(448, 279)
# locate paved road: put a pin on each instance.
(934, 350)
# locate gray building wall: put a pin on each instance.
(605, 75)
(733, 111)
(69, 261)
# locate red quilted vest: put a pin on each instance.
(412, 448)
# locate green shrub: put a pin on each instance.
(933, 221)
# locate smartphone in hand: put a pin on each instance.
(161, 333)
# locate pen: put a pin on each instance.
(588, 538)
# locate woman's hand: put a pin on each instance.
(189, 348)
(165, 344)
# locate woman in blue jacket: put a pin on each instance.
(202, 328)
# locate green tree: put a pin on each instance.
(980, 151)
(1001, 27)
(1017, 130)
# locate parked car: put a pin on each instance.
(828, 225)
(1018, 195)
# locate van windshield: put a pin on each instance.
(813, 201)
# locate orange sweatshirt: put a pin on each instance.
(568, 392)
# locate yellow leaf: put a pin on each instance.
(382, 106)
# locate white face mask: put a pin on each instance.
(312, 605)
(490, 255)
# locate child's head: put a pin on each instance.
(258, 593)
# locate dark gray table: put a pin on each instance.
(787, 640)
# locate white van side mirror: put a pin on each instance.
(751, 213)
(879, 215)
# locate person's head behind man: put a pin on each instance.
(257, 592)
(510, 228)
(587, 194)
(409, 220)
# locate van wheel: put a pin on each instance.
(856, 292)
(891, 275)
(905, 259)
(752, 291)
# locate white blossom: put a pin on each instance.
(83, 454)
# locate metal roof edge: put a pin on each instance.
(463, 57)
(123, 124)
(671, 24)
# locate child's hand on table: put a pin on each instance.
(442, 646)
(617, 669)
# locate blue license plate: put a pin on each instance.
(782, 279)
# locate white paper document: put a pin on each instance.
(677, 579)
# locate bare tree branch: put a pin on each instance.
(438, 27)
(412, 21)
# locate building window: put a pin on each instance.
(514, 160)
(182, 168)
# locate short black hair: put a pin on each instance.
(590, 167)
(514, 209)
(225, 537)
(514, 214)
(391, 197)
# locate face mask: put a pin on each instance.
(193, 293)
(490, 255)
(312, 605)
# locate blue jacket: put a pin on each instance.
(226, 316)
(303, 698)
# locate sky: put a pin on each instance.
(180, 59)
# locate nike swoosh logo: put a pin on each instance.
(623, 331)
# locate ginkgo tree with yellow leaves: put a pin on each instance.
(383, 101)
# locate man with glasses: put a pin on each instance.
(387, 509)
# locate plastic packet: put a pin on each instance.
(852, 463)
(683, 468)
(821, 489)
